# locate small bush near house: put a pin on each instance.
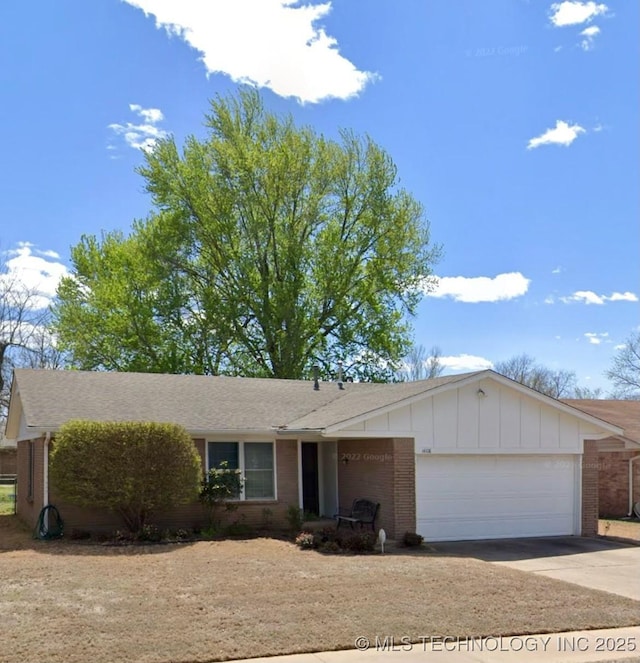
(329, 548)
(412, 540)
(220, 485)
(294, 517)
(238, 528)
(130, 468)
(306, 540)
(359, 542)
(150, 533)
(331, 540)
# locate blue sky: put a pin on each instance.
(514, 122)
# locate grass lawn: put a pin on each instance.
(6, 499)
(211, 601)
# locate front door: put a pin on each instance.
(310, 483)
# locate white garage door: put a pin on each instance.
(493, 497)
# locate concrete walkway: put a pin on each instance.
(596, 563)
(619, 644)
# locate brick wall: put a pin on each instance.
(613, 482)
(590, 488)
(382, 471)
(193, 515)
(368, 473)
(404, 469)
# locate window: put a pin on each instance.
(253, 459)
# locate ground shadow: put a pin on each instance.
(509, 550)
(16, 536)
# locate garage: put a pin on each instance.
(464, 497)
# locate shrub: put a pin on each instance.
(412, 540)
(294, 517)
(238, 528)
(150, 533)
(359, 542)
(330, 547)
(218, 486)
(130, 468)
(305, 540)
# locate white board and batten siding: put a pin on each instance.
(497, 464)
(461, 421)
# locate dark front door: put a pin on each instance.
(310, 493)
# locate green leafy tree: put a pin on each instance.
(131, 468)
(270, 248)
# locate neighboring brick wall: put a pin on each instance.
(29, 506)
(193, 515)
(590, 489)
(404, 469)
(613, 482)
(8, 461)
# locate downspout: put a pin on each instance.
(631, 484)
(45, 470)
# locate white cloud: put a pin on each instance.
(557, 270)
(573, 12)
(620, 346)
(37, 272)
(145, 135)
(465, 362)
(623, 297)
(561, 134)
(596, 339)
(481, 288)
(276, 44)
(590, 297)
(589, 35)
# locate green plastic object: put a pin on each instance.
(50, 525)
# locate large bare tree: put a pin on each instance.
(25, 340)
(625, 369)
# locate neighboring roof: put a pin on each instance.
(625, 414)
(202, 403)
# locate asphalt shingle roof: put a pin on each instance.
(625, 414)
(203, 403)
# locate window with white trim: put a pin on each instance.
(254, 460)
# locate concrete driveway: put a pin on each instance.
(607, 565)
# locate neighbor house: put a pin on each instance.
(468, 456)
(618, 457)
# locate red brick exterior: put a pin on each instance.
(188, 515)
(382, 471)
(30, 505)
(590, 488)
(613, 482)
(404, 486)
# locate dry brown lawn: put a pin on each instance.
(211, 601)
